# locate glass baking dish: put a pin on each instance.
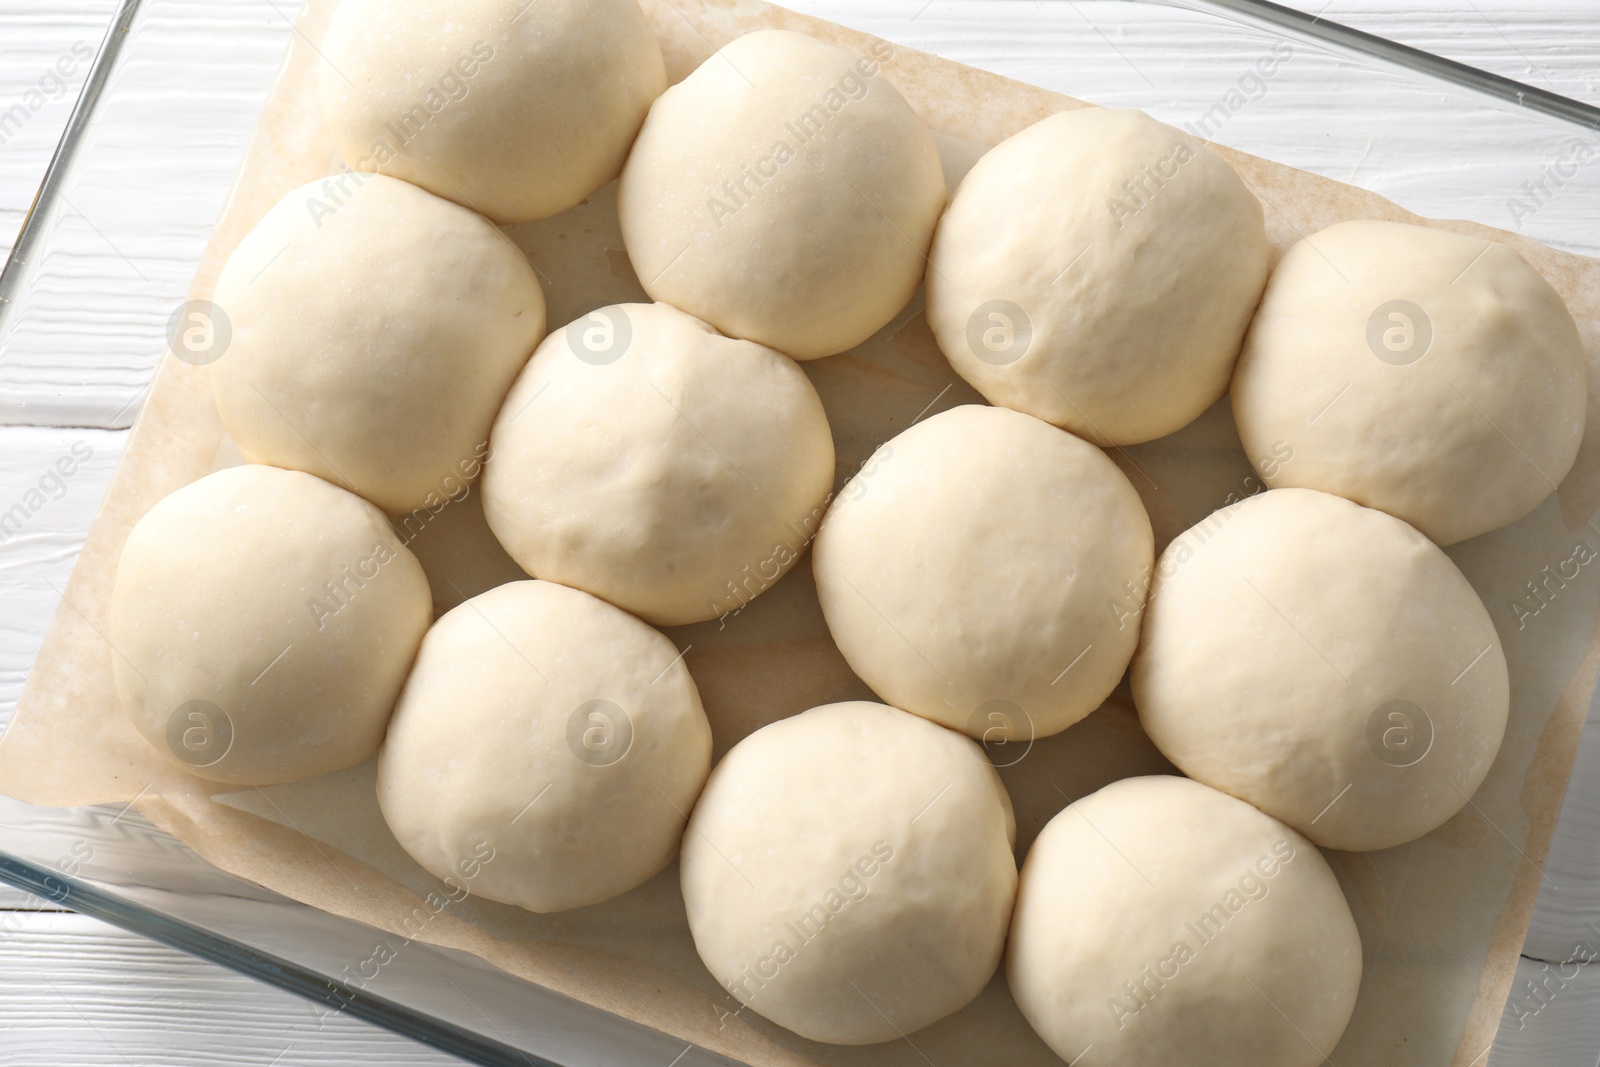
(146, 168)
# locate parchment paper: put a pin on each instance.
(1442, 919)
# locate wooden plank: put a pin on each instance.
(51, 484)
(76, 991)
(173, 127)
(1553, 1016)
(1534, 43)
(46, 58)
(117, 273)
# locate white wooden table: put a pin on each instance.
(76, 992)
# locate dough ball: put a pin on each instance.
(986, 570)
(263, 622)
(547, 747)
(785, 192)
(850, 873)
(648, 460)
(375, 330)
(1098, 271)
(515, 109)
(1325, 662)
(1162, 922)
(1434, 376)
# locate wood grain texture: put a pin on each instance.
(1553, 1016)
(46, 49)
(76, 992)
(173, 129)
(1548, 43)
(43, 515)
(73, 991)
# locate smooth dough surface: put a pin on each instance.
(263, 622)
(851, 874)
(1435, 376)
(986, 570)
(784, 192)
(515, 110)
(1325, 662)
(647, 459)
(1098, 270)
(1162, 922)
(375, 331)
(546, 749)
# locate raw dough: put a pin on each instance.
(262, 623)
(376, 328)
(784, 192)
(1098, 270)
(647, 459)
(1162, 922)
(1325, 662)
(515, 109)
(850, 874)
(546, 749)
(986, 570)
(1432, 375)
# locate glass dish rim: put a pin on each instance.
(313, 985)
(1261, 13)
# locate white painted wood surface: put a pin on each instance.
(75, 992)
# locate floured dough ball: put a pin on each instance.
(1435, 376)
(1325, 662)
(546, 749)
(649, 460)
(375, 331)
(263, 622)
(1098, 270)
(986, 570)
(1162, 922)
(785, 192)
(850, 875)
(515, 109)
